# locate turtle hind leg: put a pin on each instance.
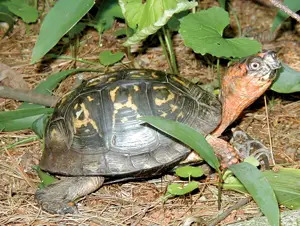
(58, 198)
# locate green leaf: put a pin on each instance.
(22, 113)
(285, 182)
(105, 17)
(39, 125)
(107, 57)
(174, 22)
(203, 32)
(179, 189)
(288, 80)
(187, 135)
(147, 18)
(45, 178)
(61, 18)
(252, 160)
(260, 189)
(293, 5)
(21, 8)
(286, 185)
(189, 171)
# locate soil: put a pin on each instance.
(276, 124)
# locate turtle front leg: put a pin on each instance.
(224, 151)
(247, 146)
(59, 197)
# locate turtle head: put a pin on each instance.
(245, 82)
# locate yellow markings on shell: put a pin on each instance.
(86, 120)
(113, 93)
(90, 98)
(153, 75)
(136, 88)
(173, 107)
(76, 106)
(125, 119)
(138, 75)
(111, 79)
(163, 114)
(93, 82)
(160, 102)
(180, 81)
(180, 115)
(118, 106)
(159, 87)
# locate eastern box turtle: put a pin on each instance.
(95, 132)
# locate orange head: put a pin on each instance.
(244, 83)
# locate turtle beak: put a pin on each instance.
(244, 83)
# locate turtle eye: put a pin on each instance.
(254, 65)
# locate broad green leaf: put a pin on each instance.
(252, 160)
(286, 185)
(284, 182)
(108, 58)
(105, 17)
(293, 5)
(147, 18)
(222, 3)
(288, 80)
(182, 189)
(22, 113)
(21, 8)
(45, 178)
(174, 22)
(259, 188)
(2, 127)
(189, 171)
(186, 135)
(61, 18)
(203, 32)
(39, 125)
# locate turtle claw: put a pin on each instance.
(247, 146)
(54, 204)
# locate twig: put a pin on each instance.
(285, 9)
(27, 96)
(269, 130)
(226, 213)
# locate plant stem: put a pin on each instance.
(170, 49)
(165, 50)
(285, 9)
(237, 21)
(218, 71)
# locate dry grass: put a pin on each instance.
(137, 203)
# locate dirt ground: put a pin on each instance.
(276, 124)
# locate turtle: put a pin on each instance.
(95, 133)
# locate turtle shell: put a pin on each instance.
(95, 129)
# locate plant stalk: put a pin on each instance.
(165, 50)
(170, 49)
